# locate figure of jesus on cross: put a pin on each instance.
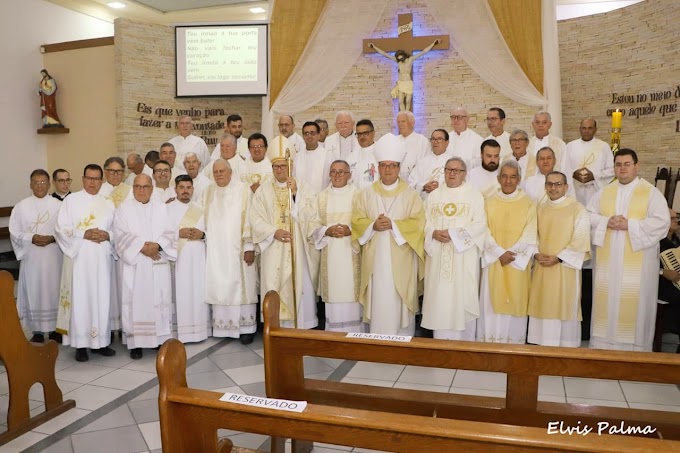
(406, 42)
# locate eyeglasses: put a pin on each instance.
(455, 171)
(437, 140)
(518, 140)
(284, 125)
(309, 133)
(257, 146)
(140, 187)
(364, 134)
(624, 164)
(556, 185)
(338, 172)
(64, 181)
(114, 172)
(280, 167)
(40, 183)
(385, 166)
(161, 171)
(91, 179)
(458, 117)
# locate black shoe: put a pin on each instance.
(247, 338)
(56, 337)
(38, 338)
(81, 355)
(136, 353)
(106, 352)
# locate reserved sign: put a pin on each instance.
(269, 403)
(378, 336)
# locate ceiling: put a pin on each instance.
(170, 11)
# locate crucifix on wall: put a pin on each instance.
(404, 45)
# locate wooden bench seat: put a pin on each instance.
(285, 349)
(190, 419)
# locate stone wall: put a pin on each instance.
(631, 52)
(147, 108)
(442, 81)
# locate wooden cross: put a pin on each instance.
(405, 40)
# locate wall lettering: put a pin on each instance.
(209, 130)
(662, 102)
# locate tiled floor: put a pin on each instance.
(116, 397)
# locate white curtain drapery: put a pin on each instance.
(333, 47)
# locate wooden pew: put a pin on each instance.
(284, 350)
(26, 363)
(190, 419)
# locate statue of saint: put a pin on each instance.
(403, 90)
(48, 100)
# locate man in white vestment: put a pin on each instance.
(169, 155)
(535, 185)
(519, 141)
(163, 191)
(187, 250)
(589, 162)
(200, 181)
(464, 142)
(628, 219)
(140, 230)
(388, 221)
(62, 184)
(485, 177)
(563, 245)
(118, 192)
(270, 224)
(541, 124)
(323, 126)
(234, 127)
(186, 142)
(455, 231)
(228, 151)
(258, 168)
(415, 144)
(344, 144)
(311, 164)
(287, 129)
(365, 169)
(137, 166)
(150, 160)
(114, 188)
(31, 230)
(589, 165)
(428, 174)
(230, 272)
(84, 234)
(495, 121)
(506, 275)
(339, 269)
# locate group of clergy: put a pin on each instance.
(184, 246)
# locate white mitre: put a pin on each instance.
(277, 148)
(389, 147)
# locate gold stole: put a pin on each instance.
(119, 194)
(632, 267)
(509, 287)
(553, 293)
(189, 220)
